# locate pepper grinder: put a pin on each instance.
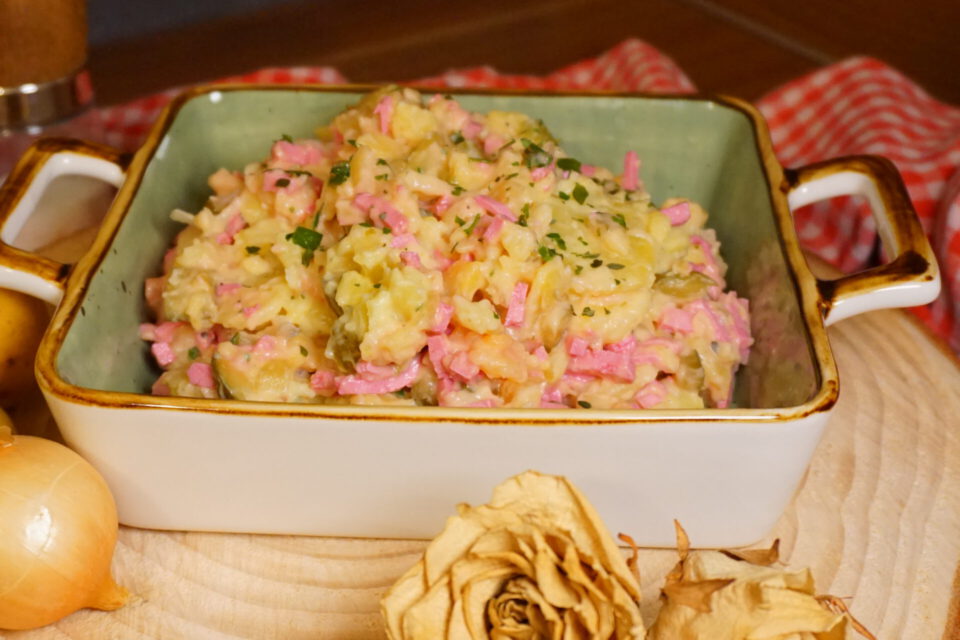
(44, 85)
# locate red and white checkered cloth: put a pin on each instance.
(859, 105)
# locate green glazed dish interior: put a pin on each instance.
(699, 149)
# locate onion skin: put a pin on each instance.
(58, 529)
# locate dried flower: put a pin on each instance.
(727, 595)
(536, 562)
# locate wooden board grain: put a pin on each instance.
(876, 518)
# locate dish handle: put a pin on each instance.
(912, 277)
(41, 164)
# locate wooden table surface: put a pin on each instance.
(876, 519)
(740, 47)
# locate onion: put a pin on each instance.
(58, 528)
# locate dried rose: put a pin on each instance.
(727, 595)
(536, 562)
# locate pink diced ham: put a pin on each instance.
(148, 331)
(226, 288)
(295, 153)
(588, 170)
(518, 305)
(603, 364)
(650, 395)
(370, 371)
(677, 320)
(160, 388)
(442, 204)
(168, 259)
(441, 318)
(436, 351)
(249, 311)
(163, 352)
(631, 171)
(323, 381)
(495, 207)
(234, 224)
(492, 143)
(710, 267)
(678, 213)
(540, 173)
(265, 345)
(401, 240)
(381, 212)
(205, 339)
(493, 229)
(463, 367)
(384, 109)
(354, 384)
(201, 374)
(165, 330)
(577, 346)
(411, 259)
(471, 129)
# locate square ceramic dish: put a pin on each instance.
(224, 465)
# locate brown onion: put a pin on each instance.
(58, 529)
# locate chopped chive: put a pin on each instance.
(556, 237)
(193, 353)
(286, 138)
(456, 137)
(584, 404)
(303, 351)
(253, 250)
(460, 221)
(457, 190)
(235, 339)
(563, 196)
(382, 176)
(619, 219)
(568, 164)
(614, 266)
(473, 224)
(587, 311)
(534, 155)
(381, 162)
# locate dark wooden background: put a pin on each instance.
(739, 47)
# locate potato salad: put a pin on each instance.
(417, 253)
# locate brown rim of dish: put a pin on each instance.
(804, 282)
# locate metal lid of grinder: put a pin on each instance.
(43, 79)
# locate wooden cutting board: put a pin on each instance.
(877, 519)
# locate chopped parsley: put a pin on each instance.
(456, 137)
(584, 404)
(193, 353)
(577, 269)
(303, 351)
(460, 221)
(457, 190)
(619, 219)
(587, 311)
(556, 237)
(381, 162)
(614, 266)
(382, 176)
(524, 214)
(596, 263)
(235, 339)
(339, 173)
(546, 253)
(568, 164)
(286, 138)
(376, 285)
(283, 182)
(563, 196)
(580, 193)
(352, 142)
(252, 250)
(534, 156)
(308, 240)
